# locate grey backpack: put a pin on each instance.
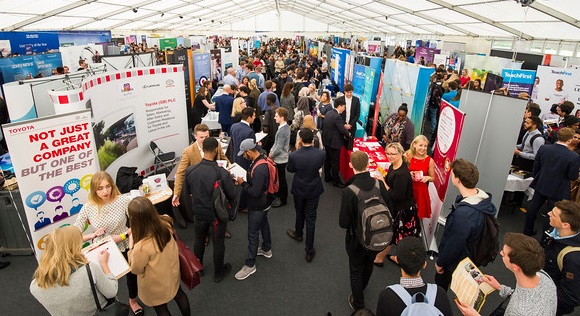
(424, 308)
(374, 227)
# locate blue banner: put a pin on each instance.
(369, 83)
(376, 64)
(84, 37)
(518, 81)
(420, 98)
(28, 67)
(338, 66)
(358, 80)
(201, 69)
(37, 42)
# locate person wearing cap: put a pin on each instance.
(259, 203)
(307, 187)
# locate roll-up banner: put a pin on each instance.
(556, 85)
(518, 81)
(201, 69)
(54, 160)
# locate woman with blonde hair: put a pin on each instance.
(61, 281)
(422, 170)
(237, 107)
(154, 258)
(309, 123)
(400, 188)
(106, 211)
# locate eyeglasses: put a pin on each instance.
(391, 154)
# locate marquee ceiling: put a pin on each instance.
(543, 19)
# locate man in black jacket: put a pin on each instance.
(307, 187)
(259, 204)
(360, 260)
(351, 113)
(199, 182)
(334, 132)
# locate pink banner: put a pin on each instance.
(448, 134)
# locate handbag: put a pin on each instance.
(189, 265)
(113, 308)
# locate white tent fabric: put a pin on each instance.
(543, 19)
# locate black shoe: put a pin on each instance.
(278, 203)
(310, 256)
(339, 185)
(225, 271)
(4, 264)
(293, 235)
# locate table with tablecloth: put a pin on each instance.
(377, 158)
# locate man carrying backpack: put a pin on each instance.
(435, 102)
(563, 254)
(464, 225)
(259, 203)
(393, 300)
(360, 259)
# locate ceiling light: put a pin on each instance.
(135, 10)
(211, 21)
(199, 19)
(181, 16)
(162, 14)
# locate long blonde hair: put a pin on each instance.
(62, 255)
(253, 84)
(237, 106)
(96, 182)
(412, 152)
(399, 150)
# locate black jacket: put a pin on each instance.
(199, 182)
(256, 187)
(306, 163)
(334, 132)
(567, 281)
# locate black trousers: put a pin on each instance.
(360, 262)
(283, 189)
(331, 164)
(533, 207)
(218, 229)
(131, 280)
(306, 212)
(444, 280)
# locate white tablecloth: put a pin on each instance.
(515, 184)
(211, 120)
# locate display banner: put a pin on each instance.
(201, 69)
(517, 81)
(167, 42)
(67, 101)
(427, 53)
(448, 134)
(133, 107)
(377, 105)
(27, 67)
(548, 83)
(358, 80)
(313, 48)
(376, 63)
(338, 66)
(216, 64)
(365, 103)
(54, 160)
(420, 98)
(35, 42)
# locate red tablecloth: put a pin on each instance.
(373, 149)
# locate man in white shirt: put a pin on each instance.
(352, 112)
(230, 79)
(559, 95)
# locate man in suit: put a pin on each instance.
(191, 156)
(305, 163)
(224, 104)
(352, 110)
(240, 131)
(334, 132)
(554, 167)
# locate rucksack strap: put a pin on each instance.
(563, 253)
(259, 162)
(402, 293)
(431, 293)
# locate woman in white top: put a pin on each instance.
(61, 281)
(107, 212)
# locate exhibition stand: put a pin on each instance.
(378, 162)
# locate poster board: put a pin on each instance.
(546, 87)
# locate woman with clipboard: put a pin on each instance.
(107, 212)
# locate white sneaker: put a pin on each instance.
(267, 254)
(245, 272)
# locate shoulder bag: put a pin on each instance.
(189, 265)
(113, 308)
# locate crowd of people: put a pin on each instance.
(275, 91)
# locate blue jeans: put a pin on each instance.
(306, 212)
(257, 222)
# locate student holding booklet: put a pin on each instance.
(535, 292)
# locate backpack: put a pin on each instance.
(563, 253)
(374, 227)
(225, 209)
(436, 93)
(273, 181)
(486, 248)
(424, 308)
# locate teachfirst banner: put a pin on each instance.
(54, 161)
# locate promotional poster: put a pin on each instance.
(202, 69)
(54, 160)
(556, 85)
(518, 81)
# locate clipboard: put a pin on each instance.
(117, 263)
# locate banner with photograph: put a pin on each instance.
(54, 160)
(27, 43)
(556, 85)
(448, 136)
(358, 80)
(201, 69)
(338, 66)
(28, 67)
(365, 103)
(216, 64)
(428, 54)
(133, 107)
(517, 81)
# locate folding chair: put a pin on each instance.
(162, 158)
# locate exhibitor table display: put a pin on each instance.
(378, 162)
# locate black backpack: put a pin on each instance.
(225, 209)
(486, 248)
(436, 93)
(374, 225)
